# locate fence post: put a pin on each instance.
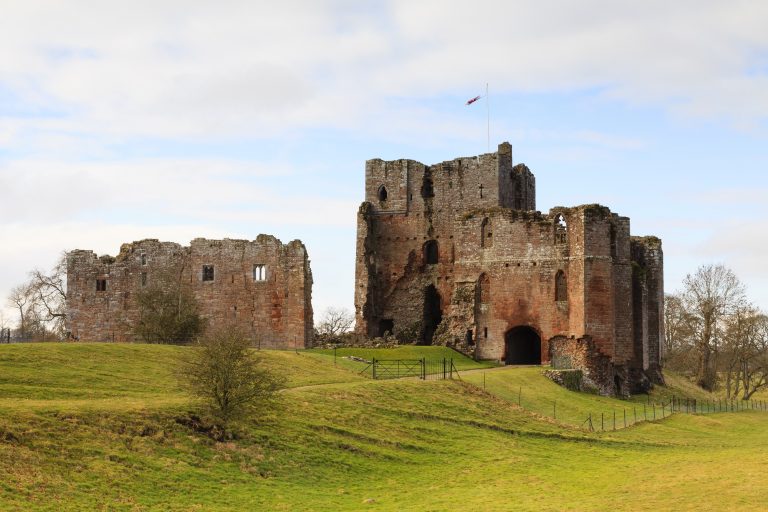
(614, 419)
(423, 368)
(602, 421)
(450, 369)
(634, 414)
(654, 411)
(443, 368)
(625, 418)
(554, 410)
(483, 381)
(519, 393)
(373, 365)
(645, 414)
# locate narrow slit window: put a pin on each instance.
(259, 272)
(208, 273)
(561, 286)
(143, 258)
(143, 279)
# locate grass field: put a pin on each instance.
(95, 427)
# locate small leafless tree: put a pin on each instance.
(49, 296)
(229, 377)
(745, 352)
(335, 322)
(20, 299)
(679, 344)
(709, 297)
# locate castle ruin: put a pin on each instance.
(456, 254)
(263, 286)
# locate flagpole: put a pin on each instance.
(488, 116)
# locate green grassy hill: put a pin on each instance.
(105, 427)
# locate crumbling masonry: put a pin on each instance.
(456, 254)
(262, 286)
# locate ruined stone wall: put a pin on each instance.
(271, 303)
(409, 205)
(648, 291)
(599, 373)
(503, 271)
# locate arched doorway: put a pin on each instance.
(433, 315)
(523, 346)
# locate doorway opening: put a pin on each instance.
(523, 346)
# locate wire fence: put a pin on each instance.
(424, 369)
(597, 413)
(652, 411)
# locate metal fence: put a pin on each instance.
(424, 369)
(652, 411)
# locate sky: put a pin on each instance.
(121, 121)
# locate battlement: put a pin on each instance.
(405, 186)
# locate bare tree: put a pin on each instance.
(679, 344)
(710, 295)
(745, 352)
(49, 296)
(5, 329)
(335, 322)
(20, 299)
(223, 371)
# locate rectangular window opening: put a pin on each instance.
(207, 272)
(143, 279)
(143, 258)
(259, 272)
(101, 285)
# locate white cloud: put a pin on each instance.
(194, 69)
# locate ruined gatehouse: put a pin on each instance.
(456, 254)
(262, 286)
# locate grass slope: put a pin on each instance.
(349, 444)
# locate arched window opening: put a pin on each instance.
(486, 233)
(561, 286)
(382, 193)
(427, 188)
(483, 289)
(430, 252)
(561, 229)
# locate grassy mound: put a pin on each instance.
(85, 427)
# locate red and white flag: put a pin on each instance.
(473, 100)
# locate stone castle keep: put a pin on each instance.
(262, 286)
(456, 254)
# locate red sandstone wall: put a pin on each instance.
(471, 216)
(276, 312)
